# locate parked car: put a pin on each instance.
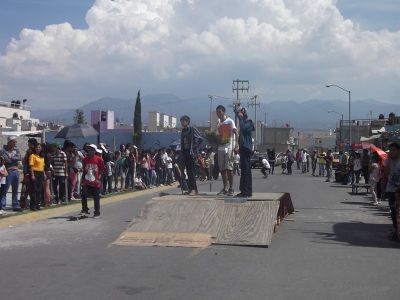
(255, 160)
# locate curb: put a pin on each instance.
(28, 217)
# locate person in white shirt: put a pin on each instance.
(374, 177)
(303, 161)
(265, 166)
(357, 167)
(227, 142)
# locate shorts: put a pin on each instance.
(225, 160)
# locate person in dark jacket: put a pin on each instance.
(190, 139)
(246, 126)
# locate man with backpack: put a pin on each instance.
(190, 142)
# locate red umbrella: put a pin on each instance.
(382, 154)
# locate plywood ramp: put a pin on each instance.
(179, 220)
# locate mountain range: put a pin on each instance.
(311, 114)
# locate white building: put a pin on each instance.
(172, 122)
(16, 116)
(154, 121)
(164, 121)
(160, 121)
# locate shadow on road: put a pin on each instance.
(360, 234)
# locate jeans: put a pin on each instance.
(145, 176)
(59, 188)
(246, 183)
(13, 180)
(265, 171)
(36, 190)
(189, 164)
(313, 167)
(89, 190)
(2, 194)
(321, 170)
(169, 176)
(272, 164)
(392, 205)
(107, 183)
(289, 167)
(153, 177)
(328, 173)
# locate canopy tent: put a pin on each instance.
(371, 138)
(19, 133)
(377, 131)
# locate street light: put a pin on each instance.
(347, 91)
(341, 122)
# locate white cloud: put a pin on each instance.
(287, 48)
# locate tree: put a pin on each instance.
(137, 122)
(79, 117)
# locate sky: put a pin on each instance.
(62, 54)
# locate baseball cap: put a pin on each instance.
(11, 138)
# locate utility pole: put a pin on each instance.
(239, 86)
(211, 98)
(254, 104)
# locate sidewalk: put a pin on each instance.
(12, 219)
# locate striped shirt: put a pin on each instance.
(58, 161)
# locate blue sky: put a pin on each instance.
(288, 51)
(18, 14)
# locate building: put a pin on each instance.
(154, 121)
(172, 122)
(104, 118)
(278, 138)
(161, 122)
(16, 116)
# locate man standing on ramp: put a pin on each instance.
(246, 127)
(227, 142)
(190, 141)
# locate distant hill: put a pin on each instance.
(312, 114)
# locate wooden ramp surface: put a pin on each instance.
(179, 220)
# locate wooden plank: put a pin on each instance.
(178, 216)
(163, 239)
(250, 223)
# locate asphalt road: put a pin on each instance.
(334, 247)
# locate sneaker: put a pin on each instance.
(222, 192)
(2, 212)
(85, 212)
(17, 209)
(230, 192)
(96, 214)
(241, 195)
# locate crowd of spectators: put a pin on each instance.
(54, 174)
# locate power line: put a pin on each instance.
(253, 103)
(239, 86)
